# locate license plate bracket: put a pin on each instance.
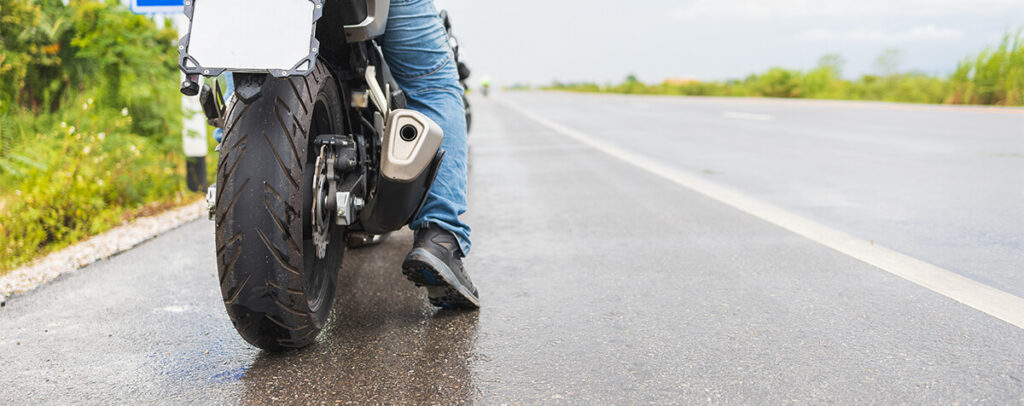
(261, 36)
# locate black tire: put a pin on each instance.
(277, 293)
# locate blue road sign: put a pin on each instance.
(157, 6)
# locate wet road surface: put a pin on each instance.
(939, 183)
(601, 283)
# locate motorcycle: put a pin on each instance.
(319, 152)
(463, 69)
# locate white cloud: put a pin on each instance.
(786, 9)
(742, 9)
(818, 33)
(930, 32)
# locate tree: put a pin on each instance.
(833, 63)
(888, 63)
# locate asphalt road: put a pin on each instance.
(601, 282)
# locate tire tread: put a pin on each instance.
(262, 283)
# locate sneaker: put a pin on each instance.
(436, 263)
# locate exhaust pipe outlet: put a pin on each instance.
(411, 140)
(410, 157)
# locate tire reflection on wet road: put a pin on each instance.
(382, 344)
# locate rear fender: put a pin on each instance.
(249, 86)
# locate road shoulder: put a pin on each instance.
(102, 246)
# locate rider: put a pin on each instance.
(485, 85)
(417, 49)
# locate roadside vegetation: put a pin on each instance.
(993, 77)
(90, 123)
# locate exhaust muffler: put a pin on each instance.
(410, 157)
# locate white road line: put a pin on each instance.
(747, 116)
(987, 299)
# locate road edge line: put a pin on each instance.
(989, 300)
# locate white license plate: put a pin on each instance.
(251, 35)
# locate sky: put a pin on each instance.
(538, 41)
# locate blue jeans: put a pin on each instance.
(417, 50)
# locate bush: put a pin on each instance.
(91, 174)
(90, 122)
(995, 76)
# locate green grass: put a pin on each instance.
(993, 77)
(76, 173)
(90, 123)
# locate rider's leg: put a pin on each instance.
(417, 50)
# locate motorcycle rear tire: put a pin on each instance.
(278, 294)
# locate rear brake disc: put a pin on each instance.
(321, 214)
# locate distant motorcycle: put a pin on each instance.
(485, 86)
(319, 152)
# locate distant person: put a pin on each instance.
(485, 85)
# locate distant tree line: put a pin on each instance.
(993, 77)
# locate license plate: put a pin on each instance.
(275, 36)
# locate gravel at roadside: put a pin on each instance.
(102, 246)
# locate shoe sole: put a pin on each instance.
(443, 288)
